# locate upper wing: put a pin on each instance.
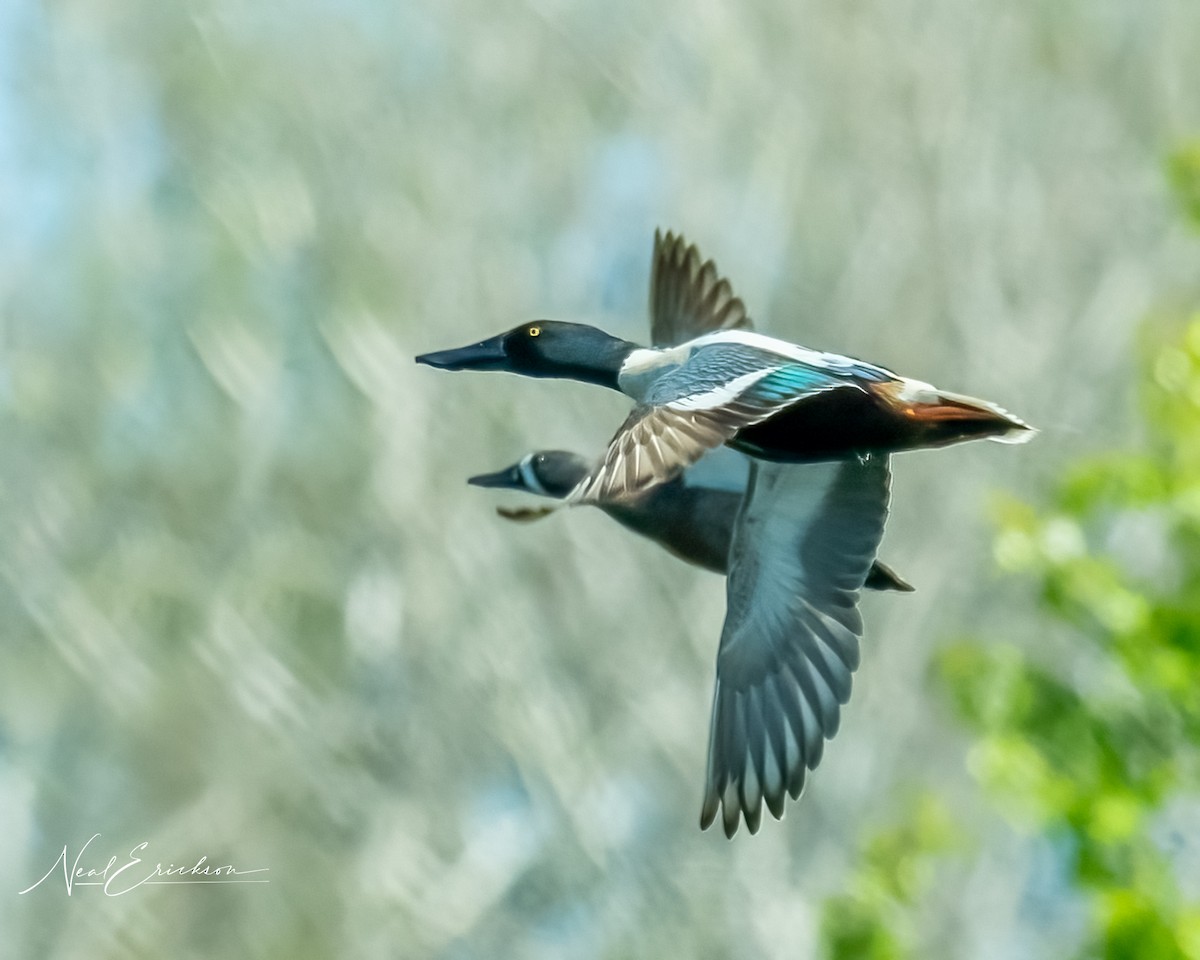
(694, 408)
(802, 548)
(687, 298)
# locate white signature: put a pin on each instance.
(118, 877)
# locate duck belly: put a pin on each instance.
(839, 424)
(695, 525)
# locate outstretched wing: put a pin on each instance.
(802, 548)
(699, 405)
(688, 298)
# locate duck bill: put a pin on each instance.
(508, 479)
(485, 355)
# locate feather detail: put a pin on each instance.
(959, 416)
(802, 546)
(688, 298)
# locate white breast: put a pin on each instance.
(644, 366)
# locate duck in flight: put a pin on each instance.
(766, 397)
(691, 517)
(804, 540)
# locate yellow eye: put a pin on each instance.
(534, 331)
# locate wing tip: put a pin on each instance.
(688, 295)
(1017, 434)
(883, 577)
(524, 514)
(732, 819)
(734, 812)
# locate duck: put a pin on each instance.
(796, 542)
(811, 509)
(769, 398)
(692, 517)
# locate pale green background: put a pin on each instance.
(250, 610)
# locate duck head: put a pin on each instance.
(543, 348)
(548, 473)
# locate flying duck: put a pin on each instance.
(772, 399)
(691, 517)
(803, 542)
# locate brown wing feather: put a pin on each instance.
(688, 297)
(656, 444)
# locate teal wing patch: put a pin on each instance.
(712, 367)
(791, 382)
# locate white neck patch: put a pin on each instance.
(529, 476)
(643, 367)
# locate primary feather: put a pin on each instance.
(688, 298)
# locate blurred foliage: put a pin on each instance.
(1090, 736)
(1092, 746)
(1183, 169)
(872, 919)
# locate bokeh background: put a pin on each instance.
(251, 611)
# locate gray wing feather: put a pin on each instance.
(688, 298)
(802, 548)
(710, 368)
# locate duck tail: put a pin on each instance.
(954, 417)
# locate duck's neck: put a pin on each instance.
(598, 360)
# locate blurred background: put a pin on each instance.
(251, 611)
